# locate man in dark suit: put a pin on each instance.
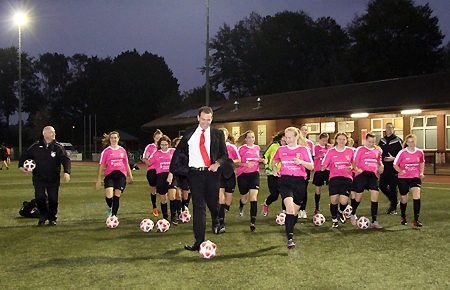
(199, 155)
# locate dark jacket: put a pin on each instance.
(49, 159)
(218, 153)
(392, 145)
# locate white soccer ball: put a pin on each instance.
(348, 211)
(163, 225)
(146, 225)
(363, 223)
(207, 249)
(281, 219)
(318, 219)
(185, 216)
(29, 164)
(112, 222)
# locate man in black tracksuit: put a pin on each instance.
(48, 156)
(391, 145)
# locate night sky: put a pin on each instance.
(173, 29)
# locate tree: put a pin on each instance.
(285, 52)
(198, 96)
(395, 38)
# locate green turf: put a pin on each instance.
(82, 253)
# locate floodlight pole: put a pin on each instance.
(207, 54)
(20, 90)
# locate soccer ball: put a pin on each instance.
(363, 223)
(146, 225)
(185, 216)
(318, 219)
(163, 225)
(112, 222)
(348, 211)
(29, 164)
(281, 217)
(207, 249)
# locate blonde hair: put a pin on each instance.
(176, 140)
(350, 142)
(301, 140)
(105, 140)
(230, 138)
(157, 132)
(407, 137)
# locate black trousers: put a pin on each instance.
(204, 186)
(388, 185)
(47, 203)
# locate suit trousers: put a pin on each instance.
(204, 186)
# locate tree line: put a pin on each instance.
(284, 52)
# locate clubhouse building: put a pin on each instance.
(419, 105)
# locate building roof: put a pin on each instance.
(124, 136)
(423, 92)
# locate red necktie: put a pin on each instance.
(203, 149)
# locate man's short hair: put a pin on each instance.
(206, 110)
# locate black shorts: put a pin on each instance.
(272, 183)
(366, 180)
(229, 184)
(151, 177)
(115, 179)
(321, 177)
(162, 187)
(292, 186)
(340, 185)
(180, 182)
(405, 184)
(247, 181)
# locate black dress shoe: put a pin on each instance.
(194, 247)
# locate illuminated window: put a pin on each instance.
(425, 128)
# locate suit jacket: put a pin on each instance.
(217, 153)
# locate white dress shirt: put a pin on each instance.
(195, 157)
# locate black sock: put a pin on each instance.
(355, 205)
(342, 207)
(374, 210)
(289, 225)
(403, 209)
(333, 210)
(115, 205)
(164, 210)
(183, 203)
(317, 200)
(109, 201)
(227, 207)
(178, 206)
(253, 210)
(241, 205)
(416, 209)
(153, 197)
(305, 199)
(222, 214)
(283, 206)
(173, 208)
(188, 199)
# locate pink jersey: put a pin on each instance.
(319, 150)
(161, 160)
(410, 162)
(249, 154)
(287, 154)
(368, 159)
(338, 162)
(114, 159)
(148, 151)
(310, 146)
(233, 153)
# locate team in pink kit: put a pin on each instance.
(347, 171)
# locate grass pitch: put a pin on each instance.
(82, 253)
